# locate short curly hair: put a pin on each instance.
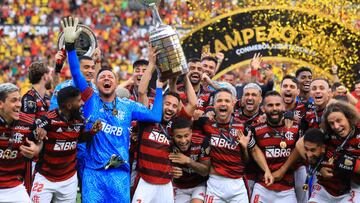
(36, 71)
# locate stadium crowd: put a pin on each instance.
(187, 139)
(121, 29)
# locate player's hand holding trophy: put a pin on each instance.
(170, 61)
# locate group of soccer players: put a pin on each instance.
(195, 141)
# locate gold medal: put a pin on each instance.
(283, 144)
(114, 112)
(331, 161)
(7, 153)
(305, 187)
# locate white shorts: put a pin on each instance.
(16, 194)
(319, 195)
(133, 173)
(300, 178)
(355, 192)
(186, 195)
(44, 190)
(147, 193)
(251, 184)
(263, 195)
(223, 189)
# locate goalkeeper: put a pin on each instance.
(106, 177)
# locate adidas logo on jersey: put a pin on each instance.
(59, 130)
(267, 135)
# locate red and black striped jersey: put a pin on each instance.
(155, 145)
(251, 169)
(202, 97)
(57, 159)
(34, 105)
(339, 184)
(352, 147)
(134, 94)
(247, 120)
(225, 150)
(154, 165)
(268, 139)
(311, 119)
(300, 110)
(190, 178)
(12, 162)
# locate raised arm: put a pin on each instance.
(71, 33)
(145, 79)
(142, 113)
(191, 95)
(60, 58)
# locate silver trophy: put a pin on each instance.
(171, 61)
(85, 44)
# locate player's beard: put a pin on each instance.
(276, 120)
(48, 85)
(76, 114)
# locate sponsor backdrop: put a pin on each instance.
(296, 35)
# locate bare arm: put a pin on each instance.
(259, 158)
(294, 156)
(191, 95)
(200, 167)
(145, 79)
(334, 72)
(351, 98)
(128, 82)
(97, 59)
(207, 80)
(172, 84)
(255, 65)
(300, 147)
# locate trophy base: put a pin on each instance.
(170, 75)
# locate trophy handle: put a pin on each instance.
(157, 22)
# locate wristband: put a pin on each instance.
(253, 72)
(69, 46)
(58, 67)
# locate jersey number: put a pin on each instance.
(38, 187)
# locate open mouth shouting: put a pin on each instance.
(288, 97)
(306, 86)
(138, 78)
(195, 78)
(223, 111)
(250, 104)
(318, 99)
(168, 114)
(275, 115)
(107, 85)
